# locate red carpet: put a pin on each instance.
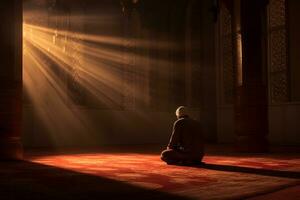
(216, 181)
(291, 193)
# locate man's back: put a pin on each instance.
(190, 135)
(186, 144)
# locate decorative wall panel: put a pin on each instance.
(129, 69)
(227, 50)
(71, 48)
(278, 55)
(75, 49)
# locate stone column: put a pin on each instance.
(10, 79)
(251, 111)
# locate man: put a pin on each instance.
(186, 144)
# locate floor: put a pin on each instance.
(290, 193)
(136, 172)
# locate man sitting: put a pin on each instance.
(186, 146)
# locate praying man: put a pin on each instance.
(186, 145)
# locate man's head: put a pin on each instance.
(181, 111)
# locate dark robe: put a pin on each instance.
(186, 143)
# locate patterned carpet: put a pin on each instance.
(222, 177)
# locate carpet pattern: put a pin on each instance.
(148, 171)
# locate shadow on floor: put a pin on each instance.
(265, 172)
(26, 180)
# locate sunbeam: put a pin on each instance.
(71, 69)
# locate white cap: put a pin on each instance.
(181, 111)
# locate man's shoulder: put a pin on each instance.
(180, 121)
(190, 121)
(183, 121)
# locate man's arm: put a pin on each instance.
(175, 137)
